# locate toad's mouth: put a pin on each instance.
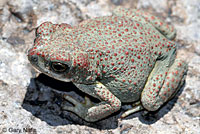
(50, 74)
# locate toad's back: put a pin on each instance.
(122, 52)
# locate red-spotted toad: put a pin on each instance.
(127, 57)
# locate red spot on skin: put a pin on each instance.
(167, 83)
(132, 60)
(113, 47)
(165, 93)
(115, 54)
(138, 57)
(152, 17)
(154, 84)
(96, 71)
(126, 53)
(130, 88)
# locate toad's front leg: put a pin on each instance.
(90, 113)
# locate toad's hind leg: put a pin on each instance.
(159, 88)
(162, 85)
(167, 30)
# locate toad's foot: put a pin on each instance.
(136, 108)
(91, 113)
(79, 108)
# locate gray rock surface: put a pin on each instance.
(29, 102)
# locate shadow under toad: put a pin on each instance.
(44, 99)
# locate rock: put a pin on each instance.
(14, 40)
(33, 104)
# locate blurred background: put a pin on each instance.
(29, 101)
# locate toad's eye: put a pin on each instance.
(34, 59)
(59, 67)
